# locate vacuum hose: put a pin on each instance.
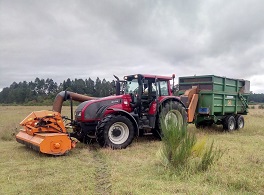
(66, 95)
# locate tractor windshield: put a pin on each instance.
(132, 86)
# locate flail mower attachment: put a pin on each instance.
(44, 131)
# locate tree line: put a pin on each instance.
(43, 92)
(257, 98)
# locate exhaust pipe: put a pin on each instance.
(66, 95)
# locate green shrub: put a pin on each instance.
(252, 107)
(177, 144)
(181, 150)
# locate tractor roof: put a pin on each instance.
(149, 76)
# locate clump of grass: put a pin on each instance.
(209, 157)
(261, 106)
(252, 107)
(183, 152)
(6, 137)
(8, 134)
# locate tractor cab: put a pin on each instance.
(146, 92)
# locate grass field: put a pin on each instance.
(89, 169)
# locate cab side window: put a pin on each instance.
(164, 88)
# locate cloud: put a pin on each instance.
(82, 39)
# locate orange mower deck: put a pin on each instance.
(44, 131)
(48, 143)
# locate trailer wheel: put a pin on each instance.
(229, 123)
(115, 131)
(171, 110)
(240, 122)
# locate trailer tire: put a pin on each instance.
(240, 122)
(115, 131)
(229, 123)
(170, 109)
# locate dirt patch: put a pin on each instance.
(102, 172)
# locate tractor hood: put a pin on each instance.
(95, 109)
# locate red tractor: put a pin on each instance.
(140, 104)
(135, 110)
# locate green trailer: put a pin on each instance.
(221, 100)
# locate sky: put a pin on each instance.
(62, 39)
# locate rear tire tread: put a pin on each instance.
(157, 132)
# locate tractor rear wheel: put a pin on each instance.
(171, 111)
(229, 123)
(115, 131)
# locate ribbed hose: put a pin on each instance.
(66, 95)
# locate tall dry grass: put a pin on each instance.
(135, 170)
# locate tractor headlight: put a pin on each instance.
(126, 102)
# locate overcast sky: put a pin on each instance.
(87, 38)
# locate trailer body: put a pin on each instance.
(218, 97)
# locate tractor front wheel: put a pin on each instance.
(115, 131)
